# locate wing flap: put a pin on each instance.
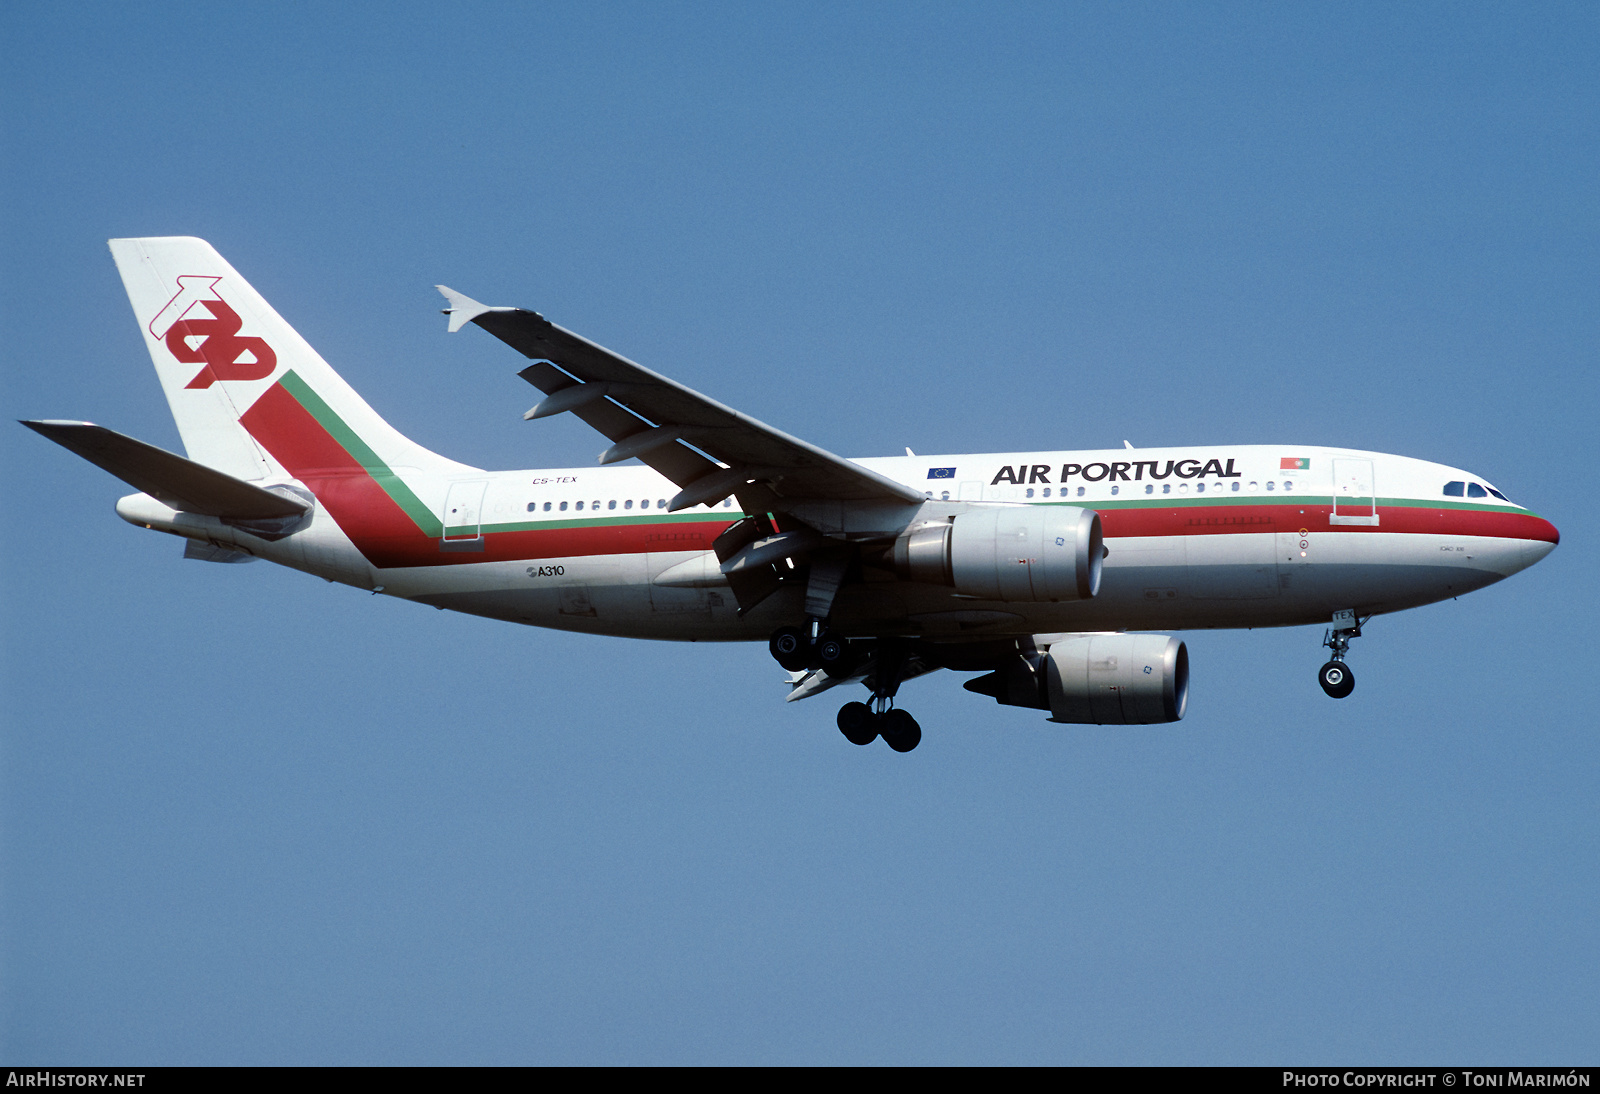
(679, 464)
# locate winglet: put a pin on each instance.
(463, 309)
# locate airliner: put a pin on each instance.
(1042, 572)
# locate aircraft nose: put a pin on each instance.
(1515, 548)
(1541, 539)
(1547, 536)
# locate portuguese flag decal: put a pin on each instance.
(1294, 463)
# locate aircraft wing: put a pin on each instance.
(658, 419)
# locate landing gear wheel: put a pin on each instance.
(834, 655)
(1336, 679)
(790, 648)
(900, 731)
(858, 724)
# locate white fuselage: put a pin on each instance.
(1240, 536)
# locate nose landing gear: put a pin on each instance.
(1335, 677)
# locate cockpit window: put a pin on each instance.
(1454, 489)
(1476, 491)
(1498, 494)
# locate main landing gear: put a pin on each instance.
(815, 646)
(861, 725)
(812, 647)
(1335, 677)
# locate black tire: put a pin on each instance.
(858, 724)
(1336, 679)
(790, 648)
(834, 655)
(900, 731)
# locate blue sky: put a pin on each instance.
(249, 817)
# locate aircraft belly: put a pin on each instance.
(1238, 566)
(667, 600)
(597, 594)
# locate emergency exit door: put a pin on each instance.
(463, 516)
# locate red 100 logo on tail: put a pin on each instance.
(199, 327)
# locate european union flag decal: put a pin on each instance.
(941, 472)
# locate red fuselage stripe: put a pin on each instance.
(1234, 519)
(388, 537)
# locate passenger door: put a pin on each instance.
(1355, 495)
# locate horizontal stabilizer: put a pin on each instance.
(172, 480)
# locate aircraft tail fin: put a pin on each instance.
(251, 397)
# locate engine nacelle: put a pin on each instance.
(1018, 553)
(1099, 679)
(1117, 679)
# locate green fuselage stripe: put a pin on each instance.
(392, 484)
(1219, 501)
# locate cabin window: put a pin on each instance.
(1271, 485)
(727, 503)
(1114, 489)
(1047, 491)
(1183, 488)
(944, 495)
(1149, 488)
(1199, 488)
(612, 504)
(532, 505)
(1166, 488)
(1252, 488)
(1454, 489)
(1476, 491)
(661, 503)
(1235, 488)
(547, 507)
(1030, 491)
(1287, 485)
(1080, 491)
(564, 506)
(594, 505)
(579, 506)
(628, 504)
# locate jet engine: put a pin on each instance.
(1021, 553)
(1099, 679)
